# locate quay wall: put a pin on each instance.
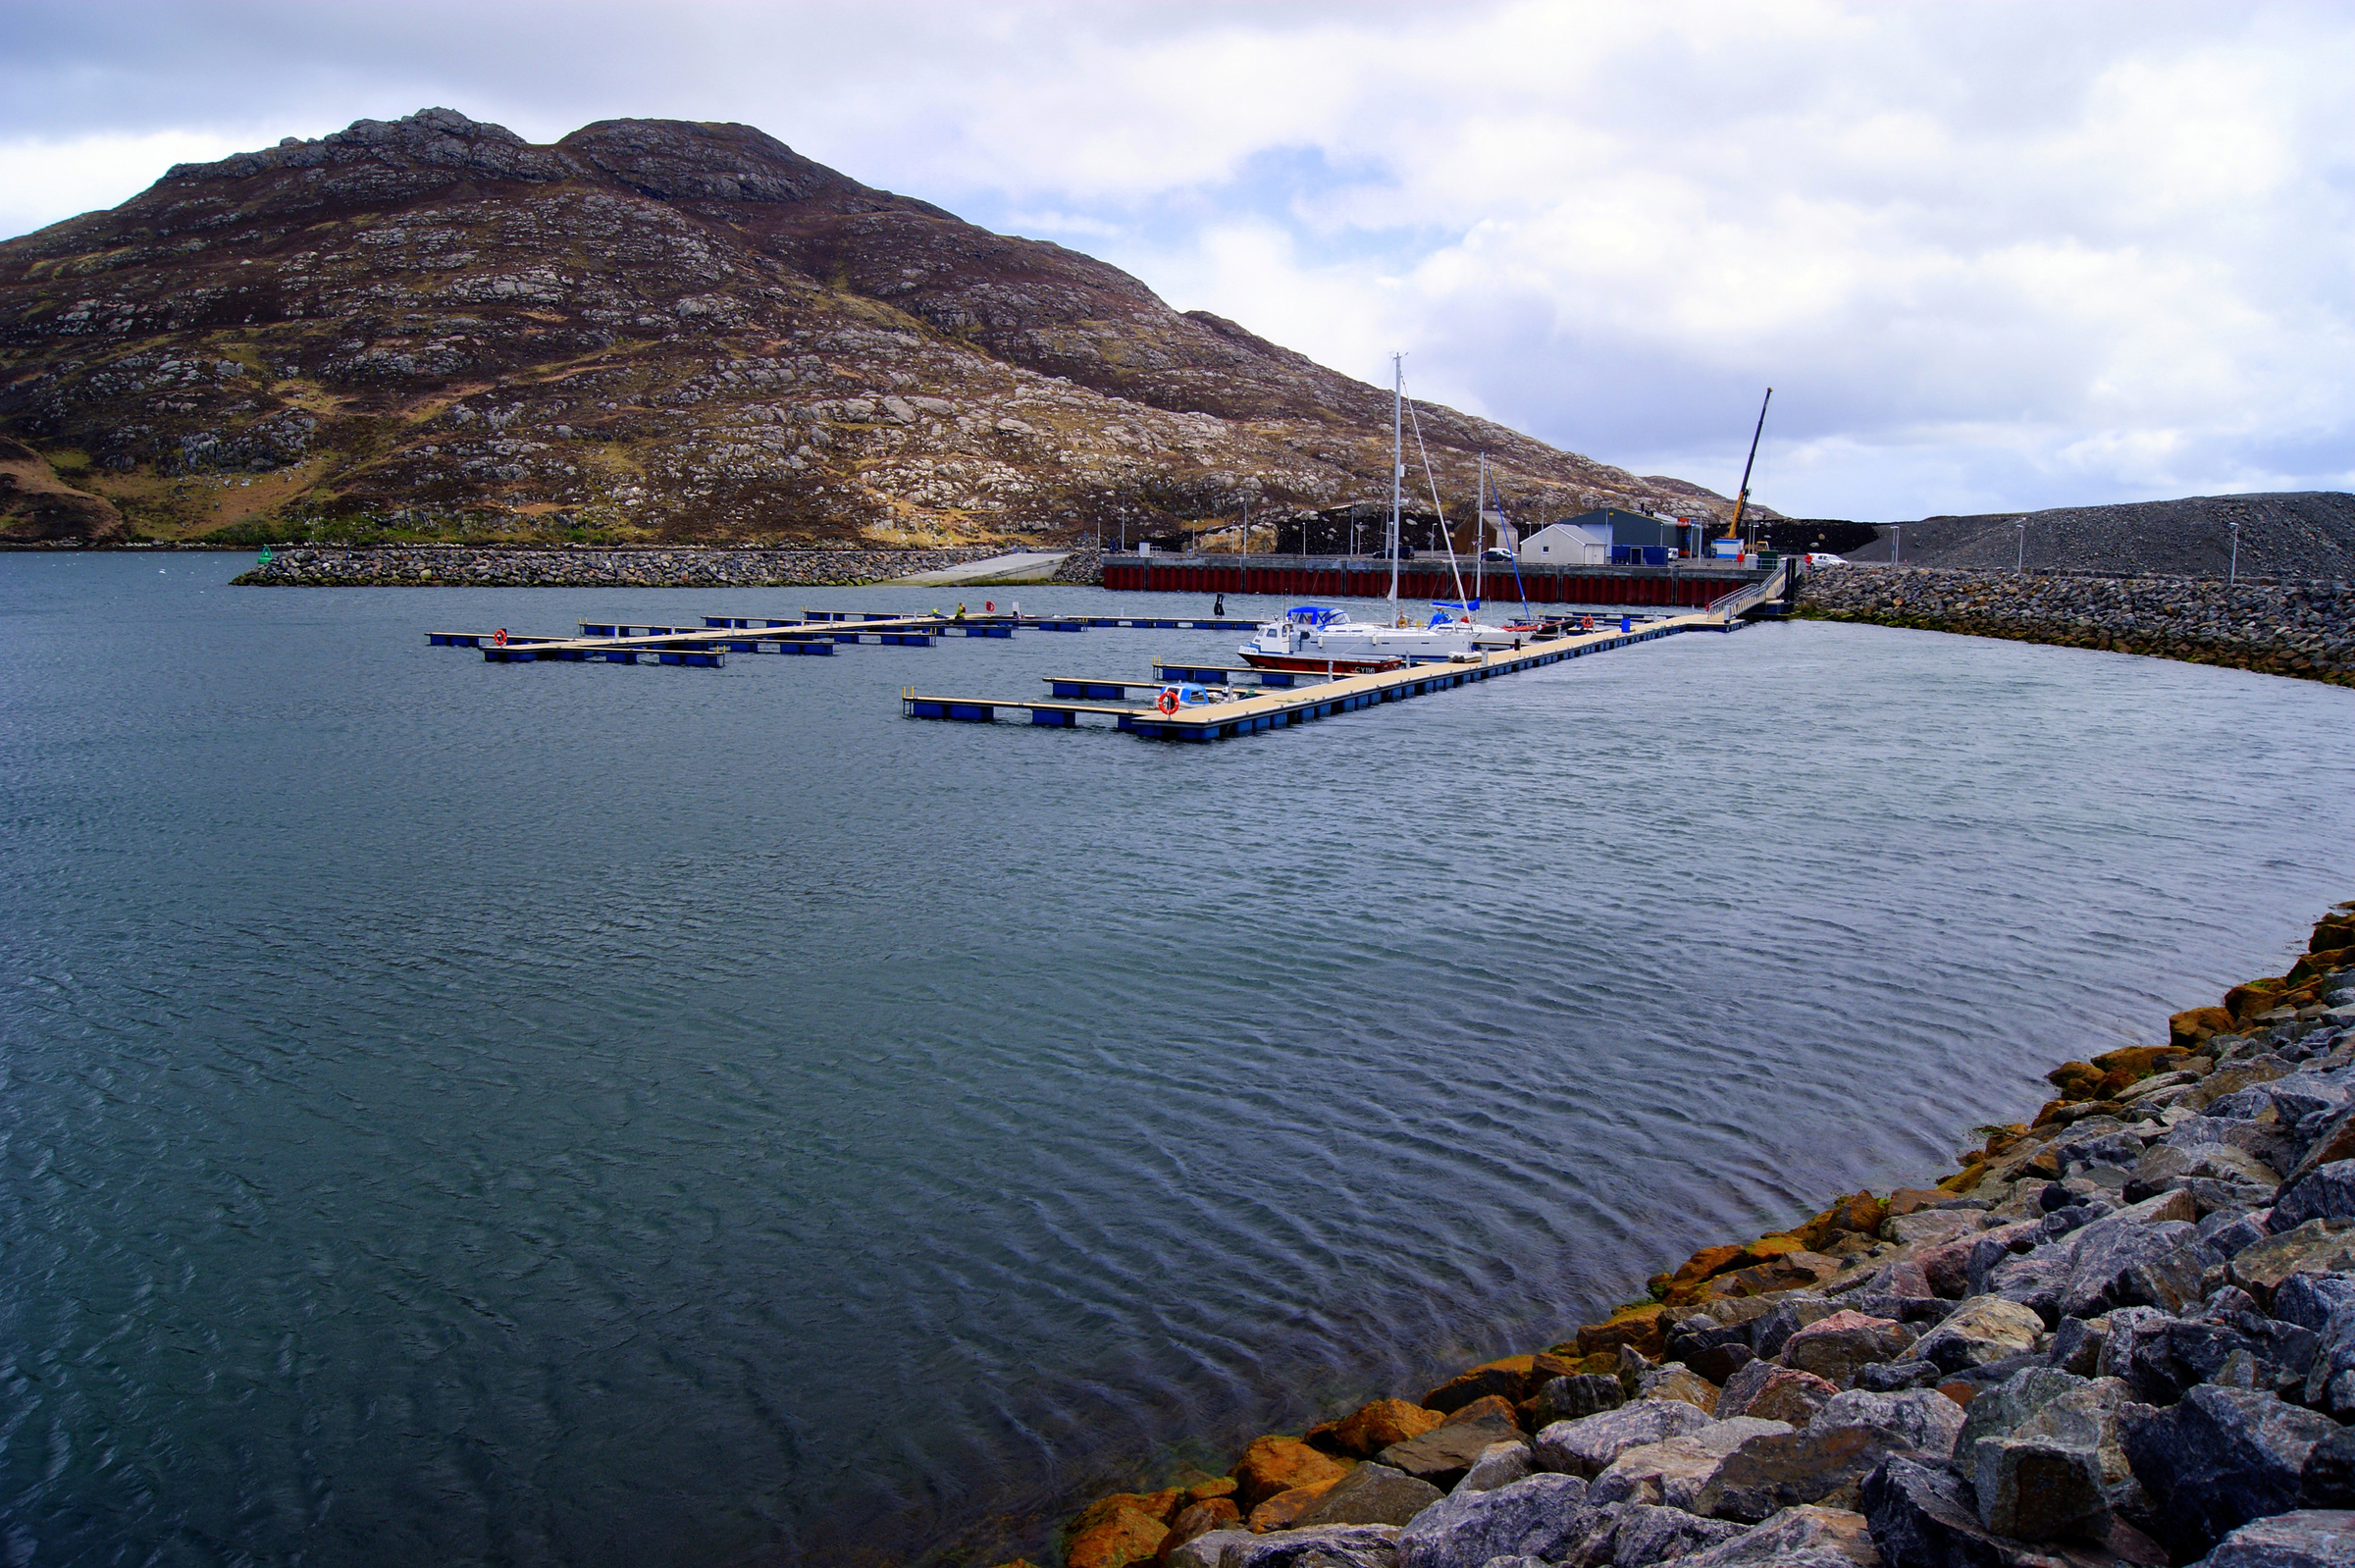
(2305, 629)
(462, 566)
(1689, 586)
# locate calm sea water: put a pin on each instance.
(456, 1114)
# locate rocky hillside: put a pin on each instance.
(652, 330)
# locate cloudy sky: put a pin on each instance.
(1990, 256)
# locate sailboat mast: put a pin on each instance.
(1397, 465)
(1479, 530)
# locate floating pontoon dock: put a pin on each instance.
(1285, 697)
(1248, 715)
(817, 632)
(709, 644)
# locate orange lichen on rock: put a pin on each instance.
(2195, 1026)
(1641, 1328)
(1274, 1463)
(1199, 1519)
(1370, 1429)
(1857, 1214)
(1116, 1541)
(1283, 1510)
(1507, 1377)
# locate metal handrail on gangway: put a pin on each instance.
(1742, 599)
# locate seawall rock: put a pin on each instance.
(2174, 1368)
(2301, 629)
(448, 566)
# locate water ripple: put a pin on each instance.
(566, 1114)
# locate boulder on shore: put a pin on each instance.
(1541, 1517)
(1274, 1464)
(2220, 1458)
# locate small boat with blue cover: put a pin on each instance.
(1317, 637)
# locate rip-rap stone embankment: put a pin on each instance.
(439, 566)
(2121, 1335)
(2302, 629)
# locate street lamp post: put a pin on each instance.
(2232, 572)
(2020, 564)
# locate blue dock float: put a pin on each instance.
(1050, 623)
(779, 644)
(475, 639)
(810, 634)
(703, 647)
(514, 653)
(1217, 674)
(1166, 624)
(1114, 690)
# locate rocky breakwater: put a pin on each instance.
(2121, 1334)
(448, 566)
(2302, 629)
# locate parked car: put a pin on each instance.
(1496, 554)
(1825, 558)
(1407, 553)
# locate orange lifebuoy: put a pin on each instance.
(1168, 702)
(498, 639)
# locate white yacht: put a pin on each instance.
(1317, 639)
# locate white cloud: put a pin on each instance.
(43, 181)
(1991, 256)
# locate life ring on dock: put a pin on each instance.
(1166, 703)
(498, 639)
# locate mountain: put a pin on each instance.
(654, 329)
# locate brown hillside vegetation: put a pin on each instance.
(657, 330)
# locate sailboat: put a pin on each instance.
(1317, 637)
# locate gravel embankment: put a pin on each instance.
(2301, 629)
(2123, 1334)
(459, 566)
(2302, 534)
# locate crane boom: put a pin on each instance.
(1742, 498)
